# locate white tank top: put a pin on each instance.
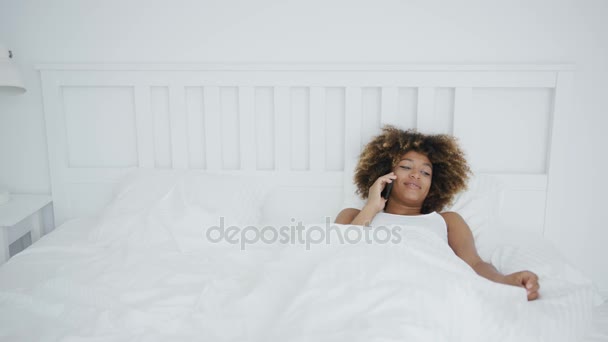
(432, 221)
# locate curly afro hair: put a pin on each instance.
(450, 169)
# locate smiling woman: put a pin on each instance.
(411, 179)
(386, 153)
(426, 172)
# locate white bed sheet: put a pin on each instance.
(599, 325)
(73, 289)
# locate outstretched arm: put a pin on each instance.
(460, 239)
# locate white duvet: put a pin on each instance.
(153, 277)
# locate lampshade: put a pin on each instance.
(10, 79)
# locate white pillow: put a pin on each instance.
(144, 227)
(141, 189)
(479, 204)
(238, 197)
(170, 193)
(288, 205)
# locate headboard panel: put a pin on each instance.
(302, 121)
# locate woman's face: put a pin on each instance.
(414, 174)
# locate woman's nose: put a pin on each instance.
(414, 174)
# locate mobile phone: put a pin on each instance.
(387, 190)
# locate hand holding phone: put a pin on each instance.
(386, 192)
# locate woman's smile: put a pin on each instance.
(412, 185)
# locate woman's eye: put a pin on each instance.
(406, 167)
(426, 173)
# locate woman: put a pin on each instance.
(425, 171)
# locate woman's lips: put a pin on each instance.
(412, 185)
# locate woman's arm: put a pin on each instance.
(375, 204)
(346, 216)
(460, 239)
(353, 216)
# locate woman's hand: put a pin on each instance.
(374, 199)
(525, 279)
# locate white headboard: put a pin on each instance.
(302, 124)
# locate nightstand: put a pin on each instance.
(20, 215)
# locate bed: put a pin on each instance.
(147, 163)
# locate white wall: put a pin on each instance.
(401, 31)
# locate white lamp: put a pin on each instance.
(10, 79)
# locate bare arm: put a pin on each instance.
(346, 216)
(460, 239)
(375, 204)
(353, 216)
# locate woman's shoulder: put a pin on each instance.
(456, 224)
(347, 215)
(449, 213)
(350, 210)
(451, 217)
